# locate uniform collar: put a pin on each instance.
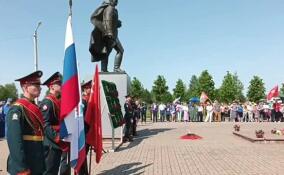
(32, 101)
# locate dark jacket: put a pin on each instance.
(128, 111)
(51, 123)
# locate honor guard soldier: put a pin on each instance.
(86, 92)
(136, 115)
(25, 130)
(50, 107)
(143, 111)
(128, 117)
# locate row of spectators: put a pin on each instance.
(216, 112)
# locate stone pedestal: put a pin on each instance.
(122, 82)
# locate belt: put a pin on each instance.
(32, 138)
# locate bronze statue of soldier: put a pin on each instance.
(104, 37)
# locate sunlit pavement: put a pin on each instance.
(159, 150)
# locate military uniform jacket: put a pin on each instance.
(128, 111)
(25, 138)
(50, 107)
(136, 110)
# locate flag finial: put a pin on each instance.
(70, 7)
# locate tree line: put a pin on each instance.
(8, 91)
(230, 90)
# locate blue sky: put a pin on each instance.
(174, 38)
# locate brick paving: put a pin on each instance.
(158, 150)
(3, 156)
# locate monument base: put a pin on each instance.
(122, 82)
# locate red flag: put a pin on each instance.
(93, 118)
(273, 93)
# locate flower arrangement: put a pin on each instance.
(237, 127)
(259, 133)
(277, 132)
(280, 132)
(273, 131)
(189, 132)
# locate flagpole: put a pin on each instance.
(90, 148)
(90, 160)
(69, 152)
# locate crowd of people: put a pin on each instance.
(271, 111)
(134, 111)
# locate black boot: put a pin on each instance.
(104, 64)
(117, 63)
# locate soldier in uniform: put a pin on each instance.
(128, 117)
(143, 111)
(136, 116)
(105, 35)
(25, 130)
(86, 88)
(50, 108)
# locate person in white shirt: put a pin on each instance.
(179, 111)
(162, 112)
(185, 113)
(209, 109)
(250, 112)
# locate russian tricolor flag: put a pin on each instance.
(72, 122)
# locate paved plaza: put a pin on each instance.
(159, 150)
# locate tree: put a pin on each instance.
(228, 89)
(136, 89)
(147, 97)
(256, 89)
(8, 91)
(167, 98)
(179, 90)
(160, 89)
(217, 95)
(206, 84)
(282, 92)
(193, 89)
(240, 88)
(231, 88)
